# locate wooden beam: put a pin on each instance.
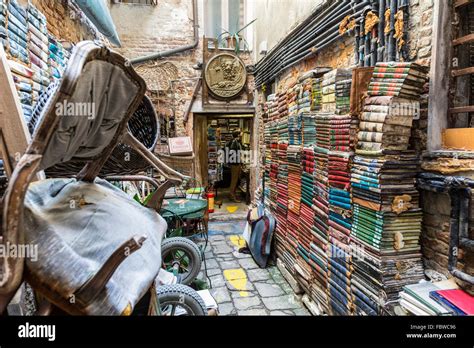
(439, 75)
(12, 123)
(463, 40)
(462, 109)
(463, 72)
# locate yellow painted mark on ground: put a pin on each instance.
(238, 279)
(232, 209)
(238, 241)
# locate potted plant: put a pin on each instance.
(235, 40)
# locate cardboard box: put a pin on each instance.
(458, 139)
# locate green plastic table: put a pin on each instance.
(184, 208)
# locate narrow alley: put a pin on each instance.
(239, 286)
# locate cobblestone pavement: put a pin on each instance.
(239, 286)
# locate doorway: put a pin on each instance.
(216, 164)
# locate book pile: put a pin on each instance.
(283, 135)
(268, 153)
(294, 124)
(273, 129)
(38, 50)
(317, 94)
(337, 131)
(292, 100)
(455, 300)
(15, 40)
(320, 230)
(386, 225)
(336, 91)
(307, 192)
(3, 23)
(404, 80)
(386, 124)
(294, 205)
(308, 129)
(17, 31)
(282, 181)
(386, 217)
(416, 298)
(212, 150)
(305, 97)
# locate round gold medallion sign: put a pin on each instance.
(225, 75)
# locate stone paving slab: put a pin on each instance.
(247, 302)
(256, 275)
(269, 290)
(253, 312)
(281, 302)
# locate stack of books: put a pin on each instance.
(405, 80)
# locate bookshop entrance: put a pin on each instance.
(224, 143)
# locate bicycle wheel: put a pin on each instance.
(181, 257)
(180, 300)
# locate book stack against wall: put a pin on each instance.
(212, 149)
(38, 50)
(320, 238)
(273, 125)
(403, 80)
(305, 97)
(316, 94)
(58, 57)
(16, 19)
(337, 133)
(294, 122)
(267, 138)
(15, 40)
(295, 239)
(3, 23)
(386, 215)
(320, 231)
(336, 87)
(307, 196)
(282, 179)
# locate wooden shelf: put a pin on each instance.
(461, 3)
(463, 72)
(463, 40)
(462, 109)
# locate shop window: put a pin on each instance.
(221, 16)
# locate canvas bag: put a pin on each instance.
(262, 226)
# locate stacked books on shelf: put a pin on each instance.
(386, 214)
(403, 80)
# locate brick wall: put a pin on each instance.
(435, 236)
(145, 30)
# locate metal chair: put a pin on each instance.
(59, 139)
